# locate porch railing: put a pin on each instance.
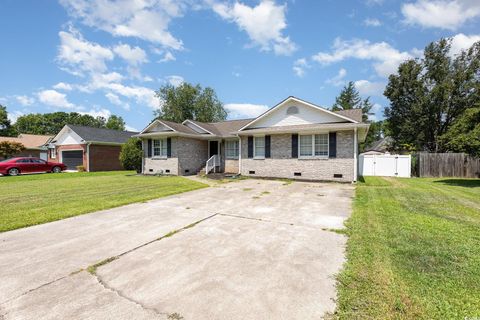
(212, 163)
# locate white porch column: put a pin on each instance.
(239, 155)
(355, 150)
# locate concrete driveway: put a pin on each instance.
(242, 250)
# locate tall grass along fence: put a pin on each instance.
(446, 165)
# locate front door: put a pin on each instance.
(213, 147)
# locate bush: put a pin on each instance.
(10, 148)
(80, 168)
(131, 155)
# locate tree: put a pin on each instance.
(115, 123)
(189, 102)
(52, 123)
(131, 155)
(428, 95)
(375, 133)
(6, 129)
(349, 98)
(10, 148)
(464, 134)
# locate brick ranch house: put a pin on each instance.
(93, 148)
(34, 145)
(294, 139)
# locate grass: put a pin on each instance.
(413, 251)
(35, 199)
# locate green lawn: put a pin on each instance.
(413, 251)
(35, 199)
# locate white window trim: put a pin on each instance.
(53, 155)
(262, 157)
(238, 150)
(313, 156)
(162, 140)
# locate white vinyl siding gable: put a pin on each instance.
(305, 115)
(313, 145)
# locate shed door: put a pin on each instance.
(72, 159)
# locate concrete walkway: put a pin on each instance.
(248, 249)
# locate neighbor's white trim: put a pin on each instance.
(198, 126)
(239, 154)
(298, 101)
(88, 157)
(355, 142)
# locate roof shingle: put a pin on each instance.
(90, 134)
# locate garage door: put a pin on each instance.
(72, 159)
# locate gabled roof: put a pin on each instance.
(222, 128)
(354, 114)
(89, 134)
(306, 103)
(30, 141)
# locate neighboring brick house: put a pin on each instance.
(93, 148)
(294, 139)
(34, 145)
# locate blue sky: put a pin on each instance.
(107, 57)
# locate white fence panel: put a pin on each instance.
(385, 165)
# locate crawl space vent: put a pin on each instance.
(251, 172)
(338, 175)
(297, 174)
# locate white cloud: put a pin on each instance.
(299, 67)
(368, 88)
(167, 57)
(339, 79)
(133, 55)
(371, 22)
(147, 20)
(105, 113)
(130, 128)
(25, 100)
(376, 112)
(115, 99)
(245, 110)
(13, 115)
(63, 86)
(78, 55)
(443, 14)
(461, 42)
(263, 23)
(175, 80)
(386, 58)
(55, 99)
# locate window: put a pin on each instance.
(259, 147)
(159, 148)
(39, 161)
(53, 153)
(314, 145)
(231, 149)
(23, 161)
(321, 145)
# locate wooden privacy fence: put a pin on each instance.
(447, 165)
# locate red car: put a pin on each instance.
(16, 166)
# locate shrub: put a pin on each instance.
(131, 155)
(10, 148)
(80, 168)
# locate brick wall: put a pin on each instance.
(161, 165)
(104, 158)
(282, 165)
(192, 155)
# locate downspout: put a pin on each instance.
(355, 150)
(88, 157)
(239, 154)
